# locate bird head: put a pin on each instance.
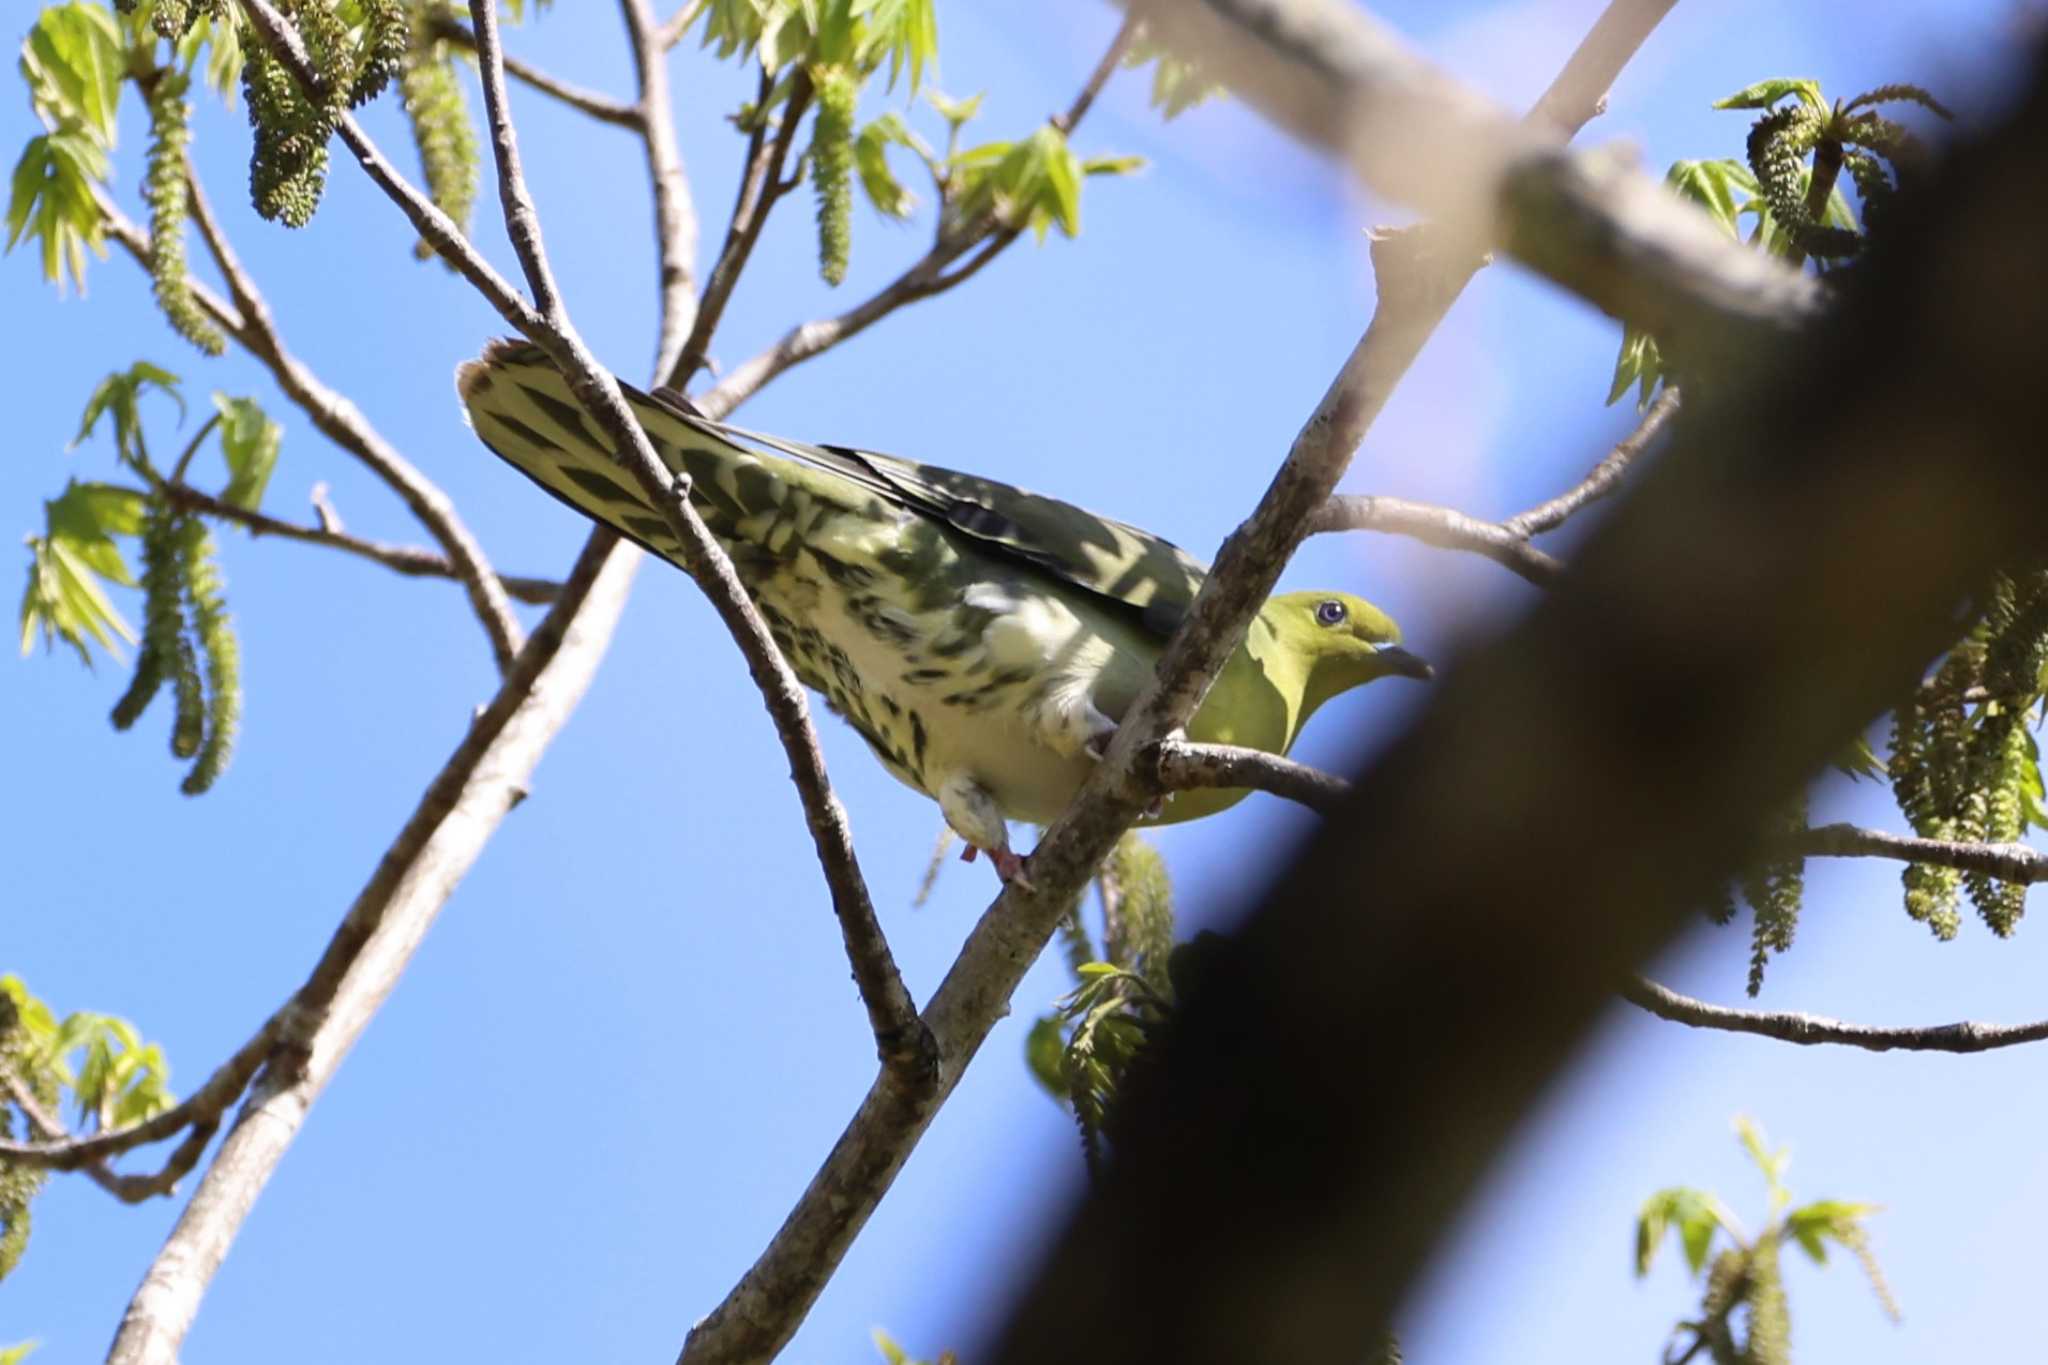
(1346, 641)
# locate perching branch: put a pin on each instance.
(763, 1310)
(411, 560)
(2014, 863)
(900, 1036)
(1181, 765)
(1809, 1029)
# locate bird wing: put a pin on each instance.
(522, 409)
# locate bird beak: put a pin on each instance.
(1401, 663)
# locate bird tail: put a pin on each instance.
(522, 408)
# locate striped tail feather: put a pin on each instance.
(758, 502)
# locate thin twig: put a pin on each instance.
(341, 422)
(757, 1318)
(673, 28)
(761, 185)
(1605, 476)
(603, 108)
(1809, 1029)
(1442, 527)
(924, 278)
(2014, 862)
(675, 216)
(901, 1038)
(411, 560)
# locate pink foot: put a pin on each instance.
(1010, 867)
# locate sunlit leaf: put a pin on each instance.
(1764, 94)
(249, 441)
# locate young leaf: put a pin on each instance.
(51, 200)
(1764, 94)
(870, 158)
(120, 393)
(249, 442)
(907, 32)
(73, 63)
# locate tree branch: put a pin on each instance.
(900, 1036)
(924, 278)
(2015, 863)
(1174, 765)
(603, 108)
(1809, 1029)
(763, 1310)
(1605, 477)
(760, 187)
(1608, 233)
(341, 422)
(481, 782)
(1439, 526)
(675, 217)
(411, 560)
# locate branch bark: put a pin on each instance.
(603, 108)
(675, 216)
(1443, 527)
(1809, 1029)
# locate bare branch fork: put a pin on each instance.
(762, 1311)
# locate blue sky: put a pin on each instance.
(631, 1037)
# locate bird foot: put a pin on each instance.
(1009, 866)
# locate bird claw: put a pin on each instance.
(1010, 867)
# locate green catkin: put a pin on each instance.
(213, 630)
(1770, 1319)
(387, 37)
(19, 1185)
(164, 187)
(170, 18)
(832, 167)
(1873, 186)
(1778, 143)
(188, 729)
(163, 617)
(438, 112)
(288, 161)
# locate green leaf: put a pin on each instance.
(120, 393)
(1044, 1050)
(87, 516)
(14, 1355)
(1713, 185)
(221, 42)
(870, 159)
(1112, 165)
(50, 198)
(955, 112)
(249, 441)
(906, 32)
(1764, 94)
(891, 1352)
(73, 63)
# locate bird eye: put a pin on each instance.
(1329, 613)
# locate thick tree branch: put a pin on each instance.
(603, 108)
(900, 1036)
(1606, 232)
(2015, 863)
(411, 560)
(481, 782)
(675, 216)
(763, 1310)
(1809, 1029)
(1292, 1154)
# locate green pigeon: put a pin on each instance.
(983, 640)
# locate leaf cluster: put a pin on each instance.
(187, 639)
(1789, 182)
(1083, 1049)
(1744, 1318)
(1964, 762)
(111, 1076)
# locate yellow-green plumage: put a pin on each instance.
(984, 640)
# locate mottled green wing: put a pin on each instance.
(763, 494)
